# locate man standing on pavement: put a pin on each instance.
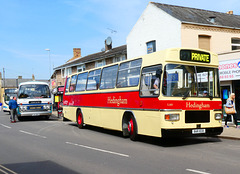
(13, 109)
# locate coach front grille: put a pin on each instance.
(197, 116)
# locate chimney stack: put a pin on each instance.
(19, 77)
(230, 12)
(76, 52)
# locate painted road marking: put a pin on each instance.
(6, 170)
(100, 150)
(29, 133)
(197, 171)
(5, 126)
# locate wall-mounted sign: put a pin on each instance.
(229, 70)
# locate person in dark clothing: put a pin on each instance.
(13, 109)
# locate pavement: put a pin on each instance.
(230, 133)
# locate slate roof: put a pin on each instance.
(200, 16)
(13, 83)
(97, 56)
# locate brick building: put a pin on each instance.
(79, 64)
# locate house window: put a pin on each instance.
(81, 68)
(100, 63)
(235, 43)
(204, 42)
(151, 47)
(119, 58)
(68, 71)
(63, 73)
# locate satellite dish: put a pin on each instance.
(109, 41)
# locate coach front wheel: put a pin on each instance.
(79, 120)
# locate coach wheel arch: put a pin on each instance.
(129, 125)
(79, 118)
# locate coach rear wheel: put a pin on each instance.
(79, 119)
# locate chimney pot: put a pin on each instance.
(230, 12)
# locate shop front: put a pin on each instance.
(229, 72)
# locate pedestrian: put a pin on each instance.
(231, 104)
(13, 109)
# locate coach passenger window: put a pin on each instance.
(109, 76)
(67, 84)
(129, 73)
(73, 83)
(81, 82)
(93, 79)
(150, 81)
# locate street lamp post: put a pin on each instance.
(47, 49)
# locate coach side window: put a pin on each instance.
(109, 76)
(73, 83)
(81, 82)
(129, 73)
(150, 81)
(93, 79)
(67, 85)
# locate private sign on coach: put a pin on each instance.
(200, 57)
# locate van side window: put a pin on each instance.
(109, 76)
(81, 82)
(129, 73)
(73, 83)
(150, 81)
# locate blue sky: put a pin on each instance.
(28, 27)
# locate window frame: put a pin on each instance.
(67, 85)
(235, 44)
(117, 65)
(92, 76)
(78, 79)
(160, 80)
(73, 84)
(129, 68)
(81, 67)
(153, 46)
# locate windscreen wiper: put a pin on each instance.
(186, 94)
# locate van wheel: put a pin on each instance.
(132, 128)
(79, 120)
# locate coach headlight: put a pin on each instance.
(172, 117)
(218, 116)
(23, 108)
(46, 107)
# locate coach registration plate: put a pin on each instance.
(198, 131)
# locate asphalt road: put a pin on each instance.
(52, 146)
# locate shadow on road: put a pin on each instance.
(40, 167)
(38, 118)
(164, 142)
